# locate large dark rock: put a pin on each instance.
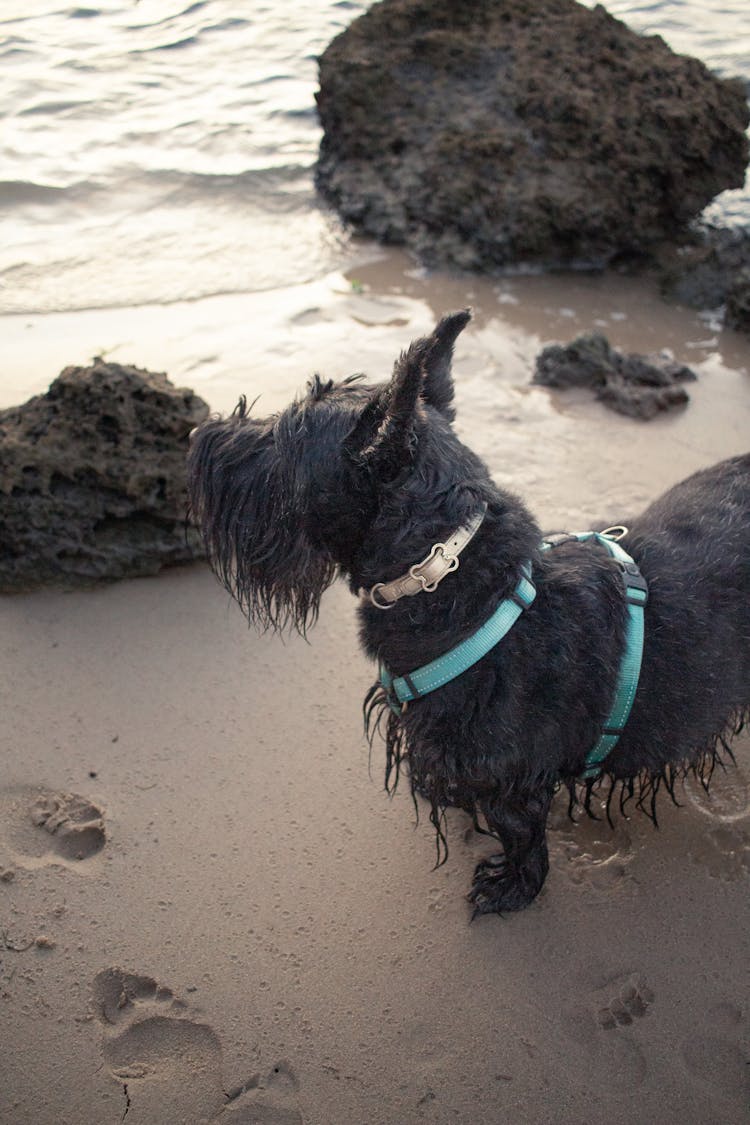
(503, 131)
(636, 385)
(92, 478)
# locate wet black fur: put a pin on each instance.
(361, 480)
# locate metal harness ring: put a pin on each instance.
(615, 533)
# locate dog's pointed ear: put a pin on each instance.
(382, 435)
(361, 438)
(437, 351)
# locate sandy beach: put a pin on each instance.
(211, 911)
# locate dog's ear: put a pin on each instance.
(360, 439)
(382, 435)
(437, 354)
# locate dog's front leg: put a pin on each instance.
(513, 878)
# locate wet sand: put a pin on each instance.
(210, 911)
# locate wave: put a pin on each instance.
(18, 192)
(267, 188)
(42, 108)
(166, 253)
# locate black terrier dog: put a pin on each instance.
(518, 673)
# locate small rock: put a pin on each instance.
(636, 385)
(640, 401)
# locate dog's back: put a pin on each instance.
(693, 548)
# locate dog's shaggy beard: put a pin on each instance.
(246, 504)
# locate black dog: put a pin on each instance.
(372, 482)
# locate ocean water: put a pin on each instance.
(153, 151)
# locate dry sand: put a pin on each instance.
(210, 911)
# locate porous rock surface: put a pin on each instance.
(737, 313)
(710, 270)
(92, 478)
(505, 131)
(636, 385)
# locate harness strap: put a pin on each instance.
(402, 689)
(636, 594)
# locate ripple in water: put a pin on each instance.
(162, 150)
(728, 799)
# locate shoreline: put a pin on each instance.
(209, 338)
(269, 344)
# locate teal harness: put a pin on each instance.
(401, 690)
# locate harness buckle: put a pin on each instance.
(396, 705)
(635, 582)
(557, 539)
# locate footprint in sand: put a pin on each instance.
(615, 1007)
(724, 848)
(43, 827)
(727, 799)
(268, 1099)
(75, 824)
(625, 999)
(714, 1056)
(590, 852)
(723, 851)
(169, 1063)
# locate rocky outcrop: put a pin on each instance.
(710, 270)
(737, 313)
(636, 385)
(508, 131)
(92, 478)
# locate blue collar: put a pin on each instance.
(401, 690)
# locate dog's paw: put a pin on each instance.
(498, 888)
